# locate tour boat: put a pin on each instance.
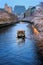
(21, 34)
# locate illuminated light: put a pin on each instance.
(35, 30)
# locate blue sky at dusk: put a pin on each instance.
(26, 3)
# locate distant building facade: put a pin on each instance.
(30, 11)
(7, 8)
(4, 14)
(18, 10)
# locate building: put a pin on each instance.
(18, 10)
(30, 11)
(7, 8)
(4, 14)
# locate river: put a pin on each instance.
(18, 52)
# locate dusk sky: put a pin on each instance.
(26, 3)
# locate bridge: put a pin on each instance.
(27, 20)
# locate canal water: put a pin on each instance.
(14, 51)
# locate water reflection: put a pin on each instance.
(20, 41)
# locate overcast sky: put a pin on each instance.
(26, 3)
